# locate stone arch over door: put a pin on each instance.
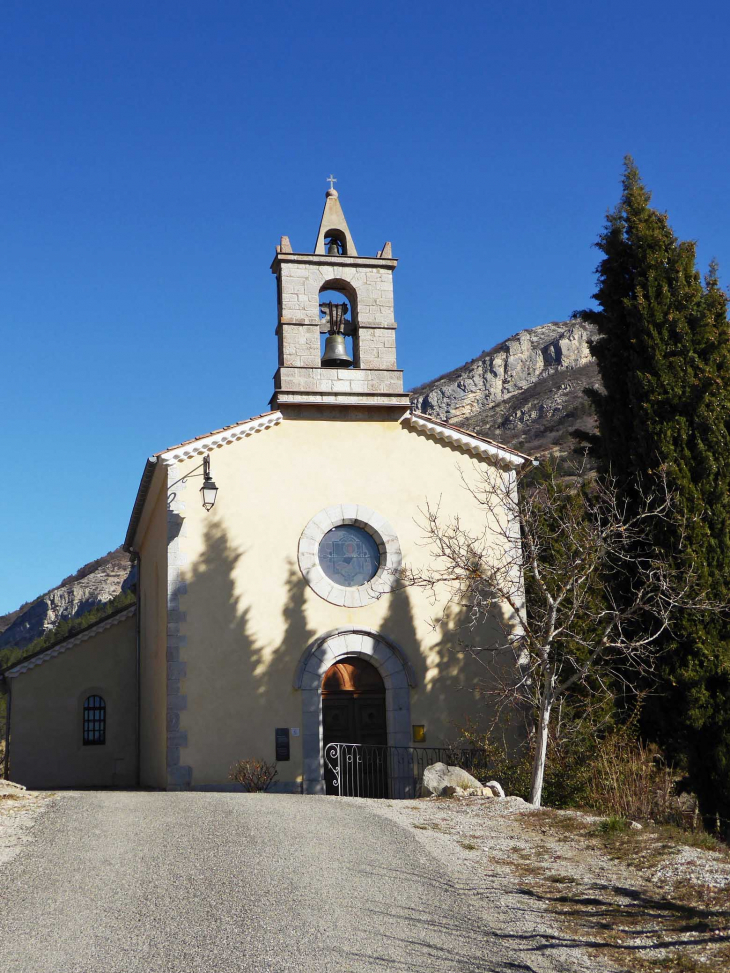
(394, 668)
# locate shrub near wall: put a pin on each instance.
(253, 775)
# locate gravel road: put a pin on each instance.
(187, 882)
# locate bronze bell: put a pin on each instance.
(335, 352)
(333, 250)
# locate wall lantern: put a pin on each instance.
(209, 490)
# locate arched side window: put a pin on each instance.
(94, 721)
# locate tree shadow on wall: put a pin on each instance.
(455, 673)
(239, 688)
(276, 677)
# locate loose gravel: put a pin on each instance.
(692, 866)
(18, 813)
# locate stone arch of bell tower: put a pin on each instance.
(367, 284)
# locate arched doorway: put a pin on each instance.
(353, 712)
(394, 669)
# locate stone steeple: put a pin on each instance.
(334, 226)
(366, 285)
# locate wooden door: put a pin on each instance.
(353, 712)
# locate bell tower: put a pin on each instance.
(357, 365)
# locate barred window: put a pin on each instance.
(94, 721)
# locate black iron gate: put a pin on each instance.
(357, 770)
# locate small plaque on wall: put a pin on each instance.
(282, 743)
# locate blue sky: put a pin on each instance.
(154, 153)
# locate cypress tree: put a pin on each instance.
(663, 354)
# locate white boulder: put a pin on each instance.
(442, 780)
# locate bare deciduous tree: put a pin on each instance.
(570, 572)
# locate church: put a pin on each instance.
(271, 617)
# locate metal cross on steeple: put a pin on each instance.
(331, 180)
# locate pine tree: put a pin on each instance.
(663, 354)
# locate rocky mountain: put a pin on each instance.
(526, 392)
(93, 584)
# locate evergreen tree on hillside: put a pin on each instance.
(663, 354)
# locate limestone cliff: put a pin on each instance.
(526, 392)
(67, 601)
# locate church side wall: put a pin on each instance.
(47, 749)
(248, 615)
(153, 655)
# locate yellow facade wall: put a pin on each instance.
(46, 743)
(153, 630)
(249, 614)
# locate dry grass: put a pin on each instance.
(628, 779)
(628, 921)
(640, 848)
(680, 962)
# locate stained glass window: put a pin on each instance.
(94, 720)
(349, 556)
